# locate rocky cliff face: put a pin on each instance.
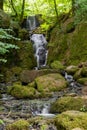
(69, 44)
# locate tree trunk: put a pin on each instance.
(12, 4)
(55, 6)
(1, 4)
(22, 12)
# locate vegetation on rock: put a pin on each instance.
(18, 125)
(70, 120)
(67, 103)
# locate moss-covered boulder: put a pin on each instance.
(57, 65)
(67, 103)
(4, 19)
(84, 72)
(18, 125)
(20, 91)
(50, 83)
(78, 74)
(82, 81)
(71, 120)
(28, 76)
(72, 69)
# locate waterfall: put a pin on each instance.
(40, 51)
(32, 23)
(38, 40)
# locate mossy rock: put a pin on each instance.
(50, 83)
(82, 81)
(67, 103)
(84, 71)
(23, 34)
(78, 74)
(13, 74)
(57, 65)
(70, 48)
(18, 125)
(72, 69)
(20, 91)
(28, 76)
(71, 120)
(26, 55)
(4, 20)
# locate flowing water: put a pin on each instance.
(40, 51)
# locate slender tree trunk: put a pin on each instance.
(22, 12)
(55, 6)
(1, 4)
(12, 4)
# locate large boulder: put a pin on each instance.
(28, 76)
(71, 120)
(72, 69)
(19, 91)
(4, 20)
(50, 83)
(18, 125)
(67, 103)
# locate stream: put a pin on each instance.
(12, 109)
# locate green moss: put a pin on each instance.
(18, 125)
(26, 55)
(67, 103)
(20, 91)
(70, 120)
(57, 65)
(72, 69)
(1, 122)
(4, 20)
(78, 74)
(13, 73)
(82, 81)
(23, 34)
(71, 48)
(70, 27)
(50, 83)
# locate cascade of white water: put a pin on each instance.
(40, 49)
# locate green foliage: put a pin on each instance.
(4, 46)
(44, 7)
(1, 121)
(81, 10)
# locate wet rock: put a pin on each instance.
(71, 120)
